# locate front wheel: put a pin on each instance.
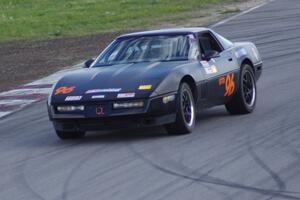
(245, 99)
(64, 135)
(185, 118)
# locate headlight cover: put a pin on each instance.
(133, 104)
(70, 108)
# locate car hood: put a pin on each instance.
(121, 81)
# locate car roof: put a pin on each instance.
(170, 31)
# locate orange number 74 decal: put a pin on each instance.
(228, 81)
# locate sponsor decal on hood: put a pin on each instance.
(103, 90)
(73, 98)
(98, 96)
(126, 95)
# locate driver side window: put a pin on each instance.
(208, 44)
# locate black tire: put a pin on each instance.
(70, 135)
(186, 112)
(244, 100)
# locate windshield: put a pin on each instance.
(149, 49)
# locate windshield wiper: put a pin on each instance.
(135, 62)
(103, 65)
(178, 59)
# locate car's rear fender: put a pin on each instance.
(247, 53)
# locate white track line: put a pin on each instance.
(26, 91)
(16, 102)
(2, 114)
(240, 14)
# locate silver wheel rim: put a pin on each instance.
(187, 108)
(249, 89)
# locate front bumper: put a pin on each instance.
(154, 113)
(110, 123)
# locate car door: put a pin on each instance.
(218, 66)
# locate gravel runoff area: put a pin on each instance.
(25, 61)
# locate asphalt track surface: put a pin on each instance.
(253, 157)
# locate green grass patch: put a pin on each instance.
(41, 19)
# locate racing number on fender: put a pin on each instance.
(64, 90)
(229, 84)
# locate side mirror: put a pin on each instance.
(211, 54)
(88, 63)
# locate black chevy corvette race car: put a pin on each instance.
(160, 77)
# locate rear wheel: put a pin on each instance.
(185, 118)
(245, 99)
(70, 135)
